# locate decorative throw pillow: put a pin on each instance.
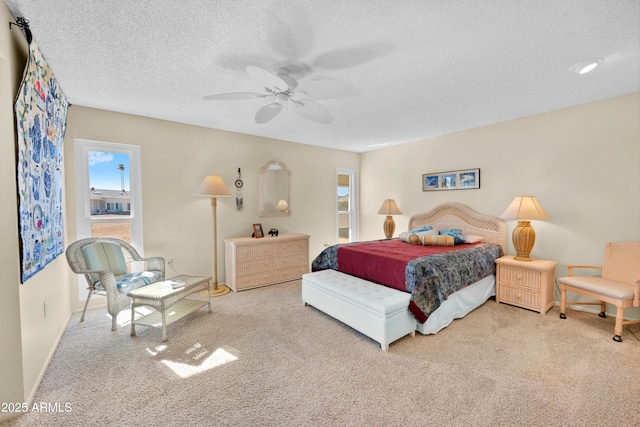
(437, 240)
(427, 233)
(456, 233)
(105, 256)
(420, 229)
(409, 237)
(472, 238)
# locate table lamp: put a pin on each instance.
(524, 208)
(282, 205)
(388, 208)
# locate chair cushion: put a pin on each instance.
(105, 256)
(610, 288)
(130, 281)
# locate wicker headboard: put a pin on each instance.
(457, 215)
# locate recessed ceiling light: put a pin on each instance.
(586, 66)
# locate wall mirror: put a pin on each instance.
(275, 189)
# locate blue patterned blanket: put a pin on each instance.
(431, 279)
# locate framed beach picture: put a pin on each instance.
(258, 232)
(452, 180)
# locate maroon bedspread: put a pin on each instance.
(385, 262)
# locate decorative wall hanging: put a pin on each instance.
(453, 180)
(41, 119)
(239, 184)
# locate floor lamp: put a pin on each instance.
(213, 186)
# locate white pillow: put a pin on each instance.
(472, 238)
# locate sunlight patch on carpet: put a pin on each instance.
(124, 317)
(185, 370)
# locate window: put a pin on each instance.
(108, 192)
(346, 206)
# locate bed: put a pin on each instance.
(443, 287)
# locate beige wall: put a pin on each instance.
(581, 163)
(28, 337)
(175, 159)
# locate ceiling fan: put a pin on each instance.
(284, 91)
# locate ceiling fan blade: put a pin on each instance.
(268, 112)
(267, 79)
(234, 95)
(323, 89)
(312, 110)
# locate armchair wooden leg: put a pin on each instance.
(603, 308)
(563, 303)
(618, 328)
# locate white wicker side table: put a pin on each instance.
(161, 297)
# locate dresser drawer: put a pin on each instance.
(519, 276)
(519, 296)
(254, 251)
(254, 280)
(291, 273)
(254, 265)
(291, 260)
(292, 246)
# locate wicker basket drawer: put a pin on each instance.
(291, 260)
(255, 265)
(292, 273)
(255, 280)
(254, 251)
(292, 246)
(520, 277)
(519, 296)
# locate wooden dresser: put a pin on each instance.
(251, 263)
(527, 284)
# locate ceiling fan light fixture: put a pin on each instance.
(586, 66)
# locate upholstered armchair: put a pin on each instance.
(618, 284)
(106, 264)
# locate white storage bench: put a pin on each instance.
(379, 312)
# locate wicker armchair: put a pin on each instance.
(109, 273)
(619, 283)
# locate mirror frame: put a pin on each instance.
(263, 171)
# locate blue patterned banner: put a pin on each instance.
(41, 119)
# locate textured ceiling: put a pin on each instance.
(416, 69)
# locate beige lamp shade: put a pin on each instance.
(388, 208)
(524, 208)
(282, 205)
(213, 186)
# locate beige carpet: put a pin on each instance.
(262, 359)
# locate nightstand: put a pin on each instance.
(526, 284)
